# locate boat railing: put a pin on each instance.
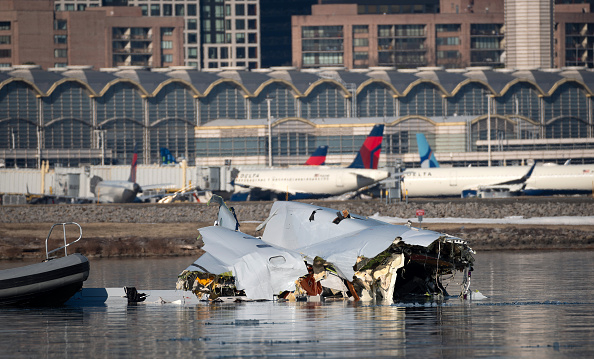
(47, 253)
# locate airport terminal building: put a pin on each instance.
(77, 116)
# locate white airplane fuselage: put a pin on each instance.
(117, 191)
(555, 179)
(316, 182)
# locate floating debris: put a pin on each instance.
(314, 253)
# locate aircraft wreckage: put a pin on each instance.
(308, 252)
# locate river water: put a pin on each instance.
(539, 304)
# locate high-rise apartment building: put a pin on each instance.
(217, 33)
(452, 34)
(529, 33)
(31, 32)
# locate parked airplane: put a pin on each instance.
(118, 191)
(315, 182)
(428, 159)
(497, 181)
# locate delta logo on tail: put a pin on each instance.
(318, 158)
(428, 159)
(368, 155)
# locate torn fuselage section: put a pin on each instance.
(308, 252)
(405, 271)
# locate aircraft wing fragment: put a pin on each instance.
(260, 269)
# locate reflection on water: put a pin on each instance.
(540, 305)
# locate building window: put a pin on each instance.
(252, 10)
(167, 44)
(60, 25)
(212, 53)
(179, 10)
(240, 38)
(192, 24)
(167, 10)
(321, 31)
(333, 58)
(81, 7)
(252, 38)
(166, 31)
(167, 58)
(155, 10)
(448, 54)
(252, 52)
(240, 24)
(4, 53)
(485, 43)
(192, 53)
(240, 9)
(252, 24)
(191, 10)
(447, 41)
(69, 7)
(212, 65)
(5, 64)
(60, 64)
(224, 53)
(4, 39)
(192, 38)
(360, 29)
(360, 42)
(60, 53)
(144, 9)
(4, 25)
(240, 53)
(361, 55)
(447, 27)
(60, 39)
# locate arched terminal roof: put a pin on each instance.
(400, 81)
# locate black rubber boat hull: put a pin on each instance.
(48, 283)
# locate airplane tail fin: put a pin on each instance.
(133, 167)
(318, 158)
(166, 157)
(368, 156)
(427, 156)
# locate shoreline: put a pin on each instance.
(134, 240)
(148, 230)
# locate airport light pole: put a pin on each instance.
(489, 129)
(268, 100)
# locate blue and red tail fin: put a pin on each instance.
(133, 167)
(428, 159)
(368, 156)
(317, 158)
